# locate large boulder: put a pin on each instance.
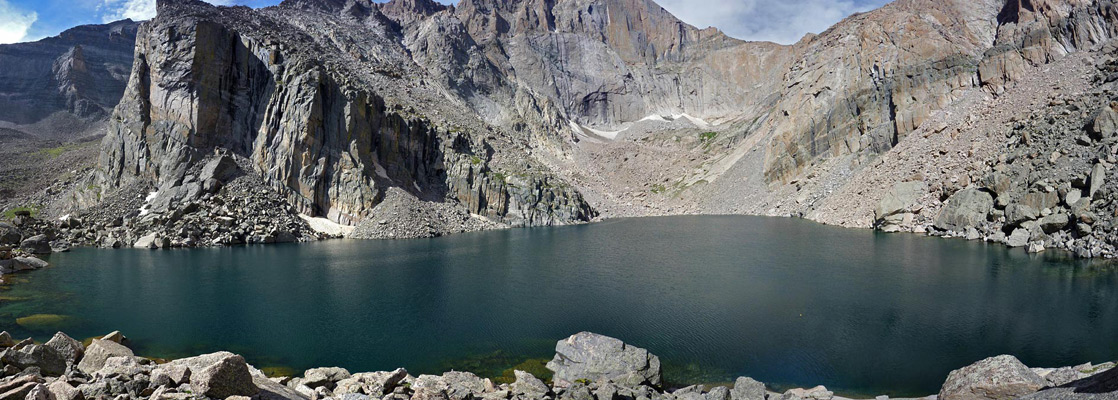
(1105, 125)
(746, 388)
(1098, 178)
(327, 376)
(1017, 213)
(815, 393)
(899, 199)
(49, 361)
(10, 234)
(371, 383)
(69, 348)
(38, 244)
(995, 378)
(966, 208)
(222, 169)
(229, 376)
(528, 385)
(596, 357)
(99, 352)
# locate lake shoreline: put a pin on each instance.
(586, 366)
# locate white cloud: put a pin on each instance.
(14, 23)
(115, 10)
(781, 21)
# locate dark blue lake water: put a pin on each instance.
(785, 301)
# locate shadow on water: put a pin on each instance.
(788, 302)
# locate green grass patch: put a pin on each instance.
(11, 213)
(55, 152)
(708, 136)
(659, 188)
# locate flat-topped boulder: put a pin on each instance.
(594, 357)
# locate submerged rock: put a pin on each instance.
(596, 357)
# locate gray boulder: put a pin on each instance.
(966, 208)
(815, 393)
(1039, 200)
(1017, 213)
(49, 362)
(1019, 238)
(1105, 125)
(902, 196)
(9, 234)
(1098, 178)
(372, 383)
(1054, 222)
(37, 244)
(718, 393)
(69, 348)
(528, 385)
(99, 352)
(220, 169)
(596, 357)
(327, 376)
(62, 390)
(995, 378)
(746, 388)
(229, 376)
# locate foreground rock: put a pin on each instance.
(995, 378)
(587, 366)
(593, 357)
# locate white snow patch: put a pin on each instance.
(64, 217)
(694, 120)
(655, 117)
(327, 226)
(147, 200)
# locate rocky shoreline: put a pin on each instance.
(586, 366)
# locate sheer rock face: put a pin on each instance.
(276, 87)
(872, 79)
(79, 74)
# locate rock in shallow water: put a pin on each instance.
(596, 357)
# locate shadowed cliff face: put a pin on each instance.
(79, 74)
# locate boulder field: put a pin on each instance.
(586, 366)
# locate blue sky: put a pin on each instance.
(781, 21)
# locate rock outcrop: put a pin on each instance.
(328, 135)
